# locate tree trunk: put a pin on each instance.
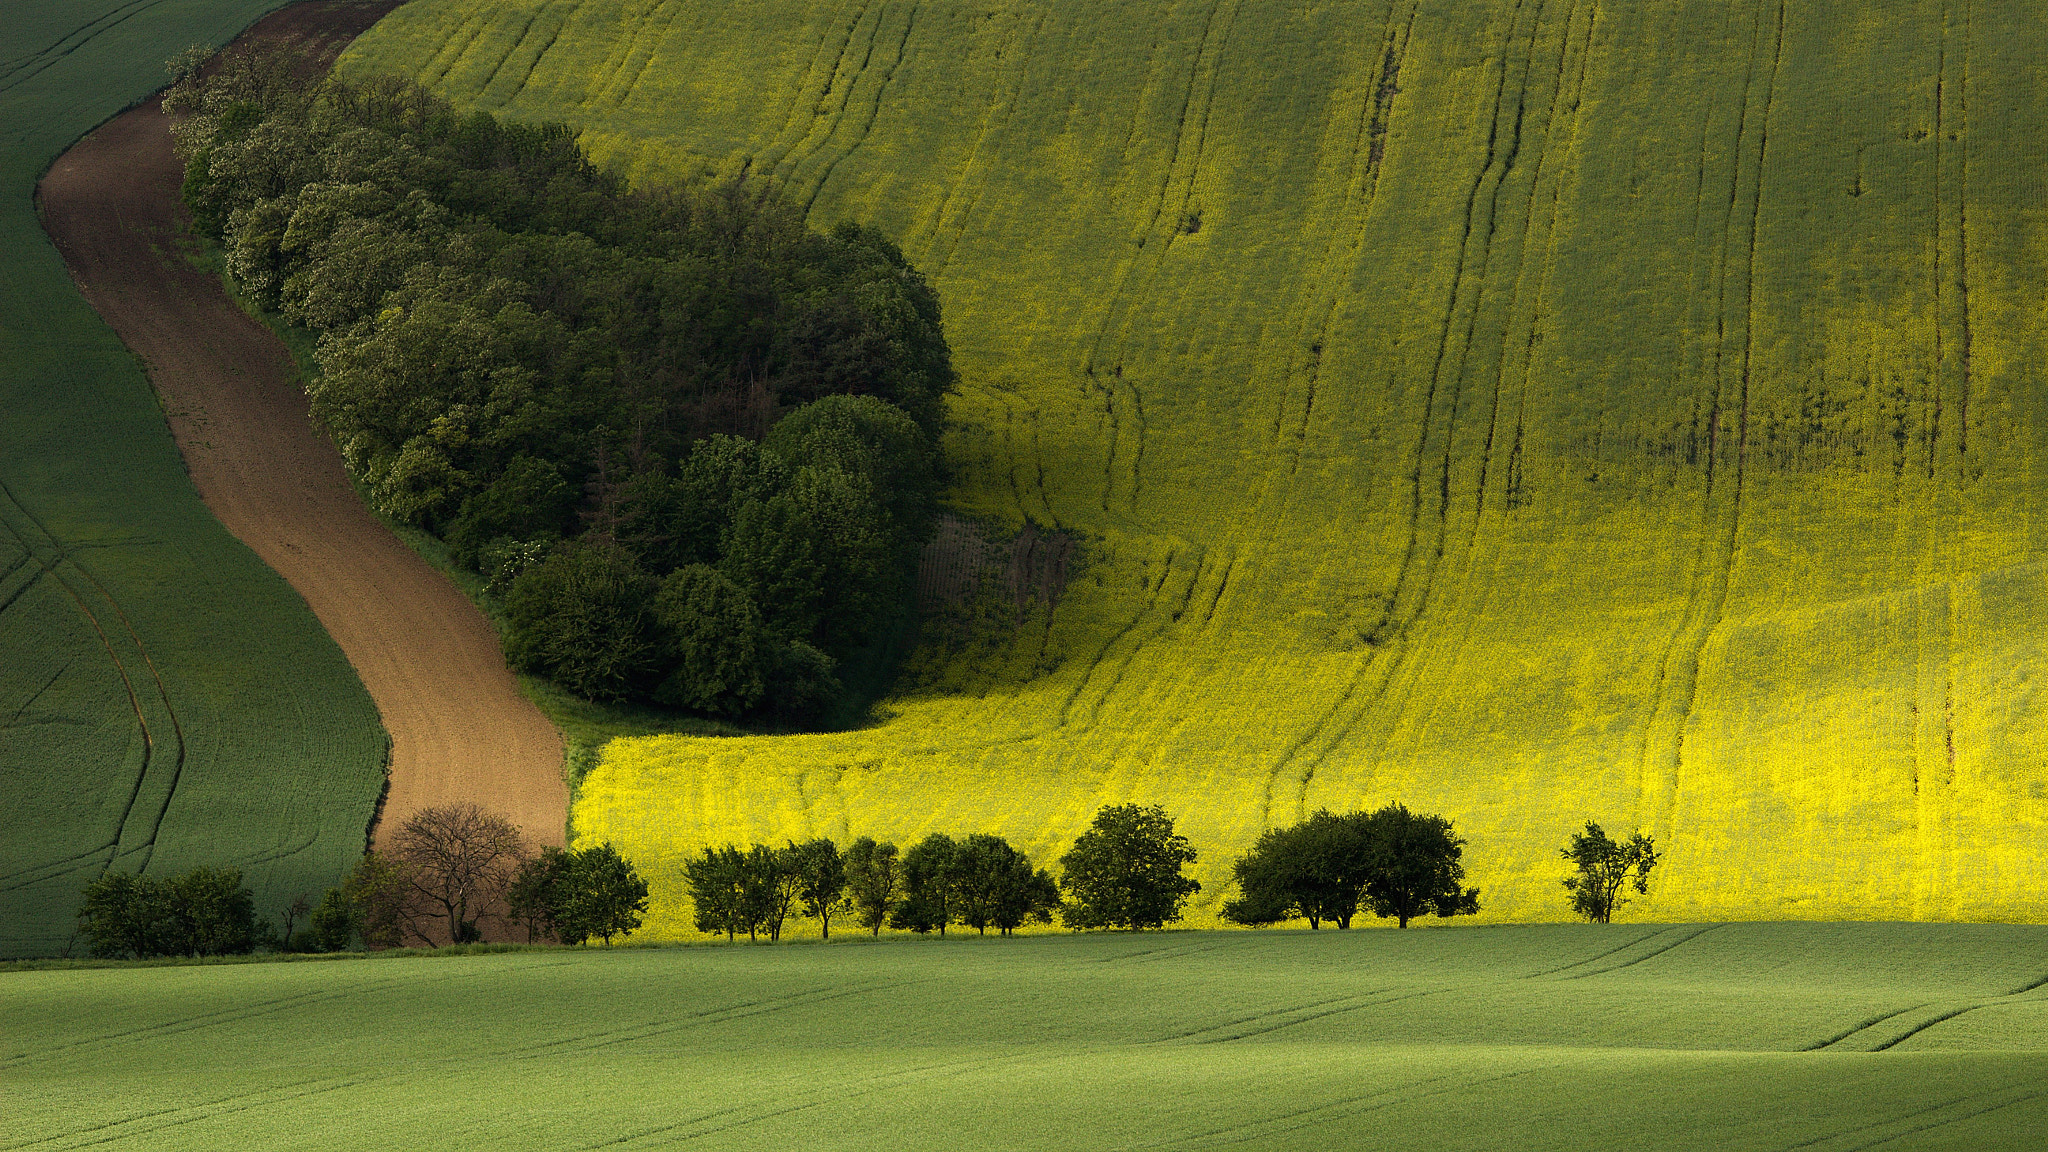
(1404, 919)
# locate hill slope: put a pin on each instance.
(1767, 1037)
(1532, 411)
(165, 699)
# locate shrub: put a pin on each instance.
(584, 617)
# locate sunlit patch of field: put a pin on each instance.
(1527, 411)
(1736, 1036)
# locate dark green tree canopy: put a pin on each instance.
(1392, 862)
(1418, 867)
(929, 876)
(1125, 871)
(1316, 870)
(873, 882)
(576, 895)
(820, 873)
(1604, 866)
(203, 912)
(717, 883)
(517, 351)
(995, 886)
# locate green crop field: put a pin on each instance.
(1530, 411)
(1763, 1036)
(165, 700)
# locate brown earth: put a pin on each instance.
(460, 730)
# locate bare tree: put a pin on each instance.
(461, 860)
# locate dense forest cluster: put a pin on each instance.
(690, 441)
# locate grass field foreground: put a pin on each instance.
(165, 699)
(1531, 412)
(1759, 1036)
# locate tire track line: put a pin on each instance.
(1599, 955)
(1115, 313)
(484, 88)
(49, 566)
(776, 149)
(527, 77)
(874, 113)
(798, 154)
(1317, 304)
(1675, 692)
(1344, 713)
(1725, 569)
(23, 73)
(1650, 955)
(1462, 612)
(655, 39)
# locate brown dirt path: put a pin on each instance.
(460, 730)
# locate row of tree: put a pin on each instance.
(980, 882)
(688, 438)
(449, 868)
(1126, 871)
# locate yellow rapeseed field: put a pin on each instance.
(1531, 411)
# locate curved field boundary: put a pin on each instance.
(460, 730)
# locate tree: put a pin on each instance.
(994, 886)
(821, 880)
(928, 878)
(290, 917)
(584, 618)
(1317, 870)
(871, 881)
(382, 901)
(771, 887)
(203, 912)
(334, 922)
(714, 631)
(1416, 867)
(461, 860)
(717, 882)
(539, 893)
(606, 896)
(1125, 871)
(211, 914)
(1604, 866)
(122, 915)
(1032, 896)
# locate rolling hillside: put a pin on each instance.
(165, 700)
(1532, 411)
(1760, 1037)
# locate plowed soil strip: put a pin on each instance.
(460, 730)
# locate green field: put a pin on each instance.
(165, 699)
(1529, 411)
(1761, 1036)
